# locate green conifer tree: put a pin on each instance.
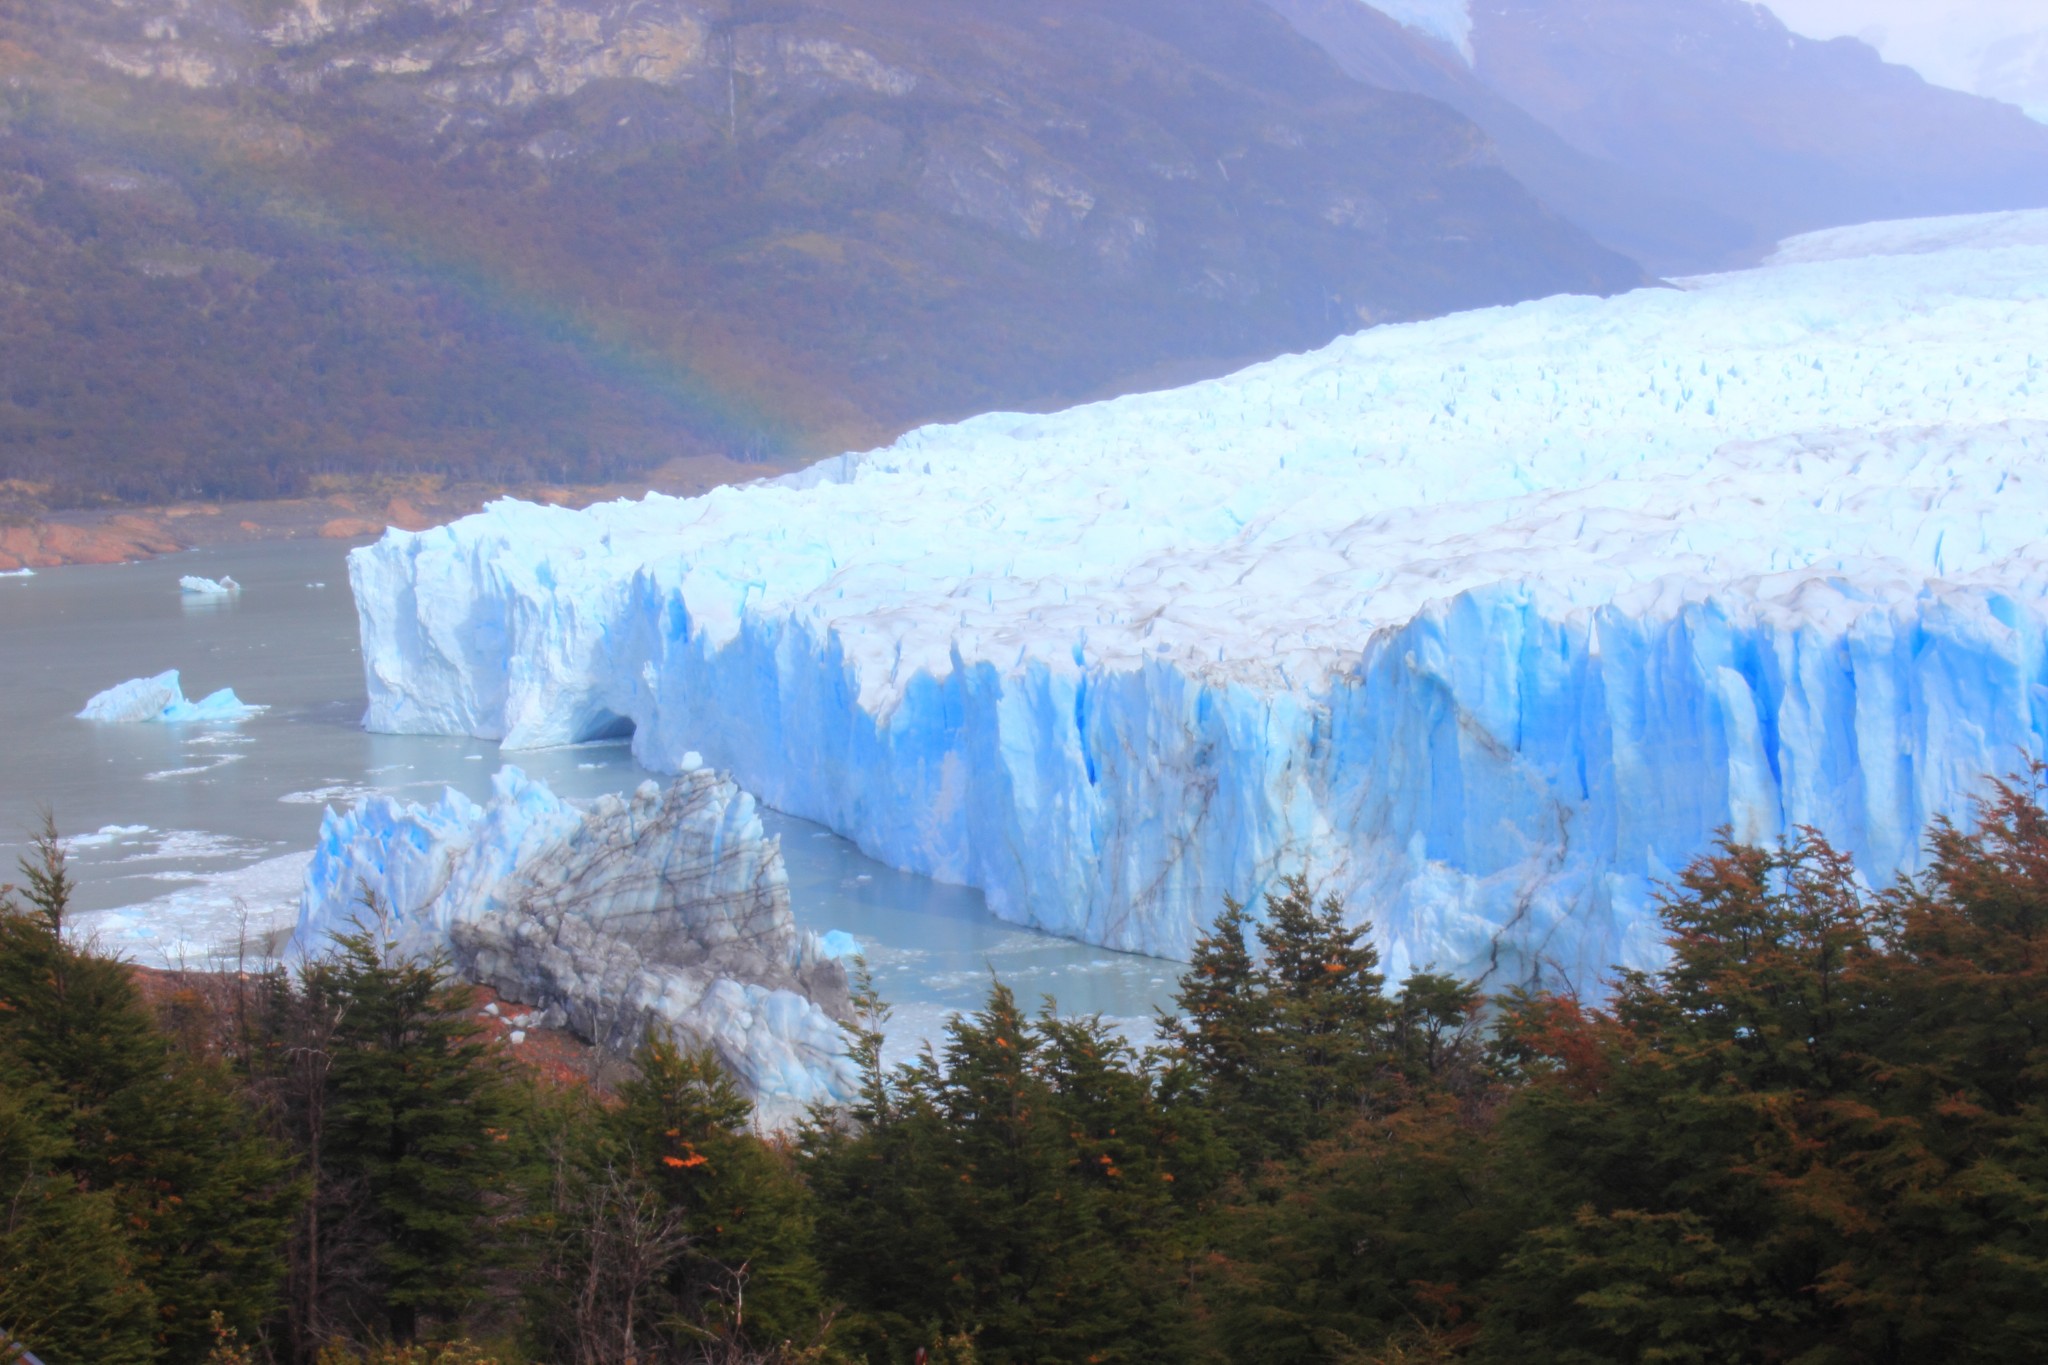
(1329, 1014)
(201, 1193)
(417, 1115)
(1691, 1158)
(67, 1276)
(881, 1193)
(747, 1274)
(1141, 1166)
(1224, 1032)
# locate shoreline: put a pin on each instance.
(117, 535)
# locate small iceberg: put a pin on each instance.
(162, 700)
(192, 585)
(23, 572)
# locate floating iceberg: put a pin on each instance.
(194, 586)
(670, 908)
(162, 700)
(23, 572)
(1487, 622)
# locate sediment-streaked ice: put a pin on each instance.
(1487, 622)
(667, 908)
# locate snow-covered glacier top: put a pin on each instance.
(1489, 620)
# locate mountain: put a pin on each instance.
(2017, 72)
(257, 246)
(1489, 622)
(1693, 134)
(1670, 232)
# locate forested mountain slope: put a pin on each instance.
(251, 244)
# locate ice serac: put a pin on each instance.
(1489, 622)
(162, 699)
(666, 908)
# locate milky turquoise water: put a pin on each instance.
(188, 842)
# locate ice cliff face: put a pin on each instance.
(1489, 622)
(670, 908)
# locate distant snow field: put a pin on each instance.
(1487, 622)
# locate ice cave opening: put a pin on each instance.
(605, 725)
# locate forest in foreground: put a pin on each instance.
(1817, 1136)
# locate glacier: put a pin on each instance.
(1447, 21)
(1487, 623)
(666, 908)
(161, 699)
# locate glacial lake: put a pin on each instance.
(188, 842)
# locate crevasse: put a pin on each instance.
(1488, 622)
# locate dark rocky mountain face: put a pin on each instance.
(1668, 231)
(253, 243)
(1694, 134)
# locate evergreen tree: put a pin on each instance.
(1022, 1193)
(604, 1241)
(1381, 1234)
(1681, 1197)
(67, 1276)
(1223, 1032)
(1372, 1245)
(416, 1128)
(1433, 1033)
(1287, 1047)
(883, 1196)
(747, 1274)
(202, 1195)
(1143, 1166)
(1329, 1012)
(1951, 1142)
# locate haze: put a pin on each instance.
(1991, 47)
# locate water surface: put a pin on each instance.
(188, 842)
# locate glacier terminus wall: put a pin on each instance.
(1487, 622)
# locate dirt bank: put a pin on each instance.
(115, 535)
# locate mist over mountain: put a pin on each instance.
(251, 244)
(1693, 134)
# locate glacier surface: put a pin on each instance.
(668, 908)
(1447, 21)
(162, 699)
(1486, 622)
